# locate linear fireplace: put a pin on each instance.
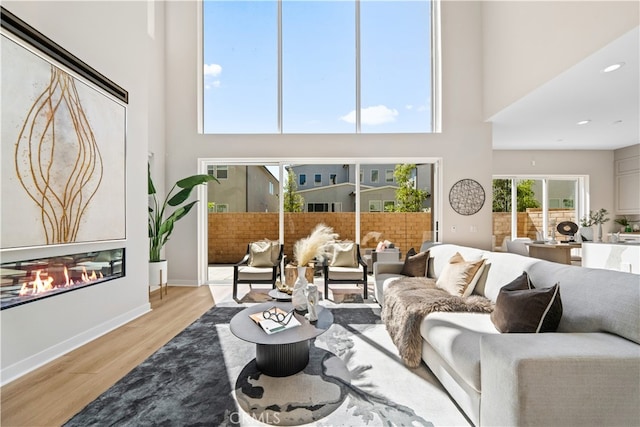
(27, 281)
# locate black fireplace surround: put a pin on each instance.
(28, 281)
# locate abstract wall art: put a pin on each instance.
(63, 130)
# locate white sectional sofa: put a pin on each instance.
(586, 373)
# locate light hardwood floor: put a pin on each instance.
(52, 394)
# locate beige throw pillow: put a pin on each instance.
(344, 255)
(261, 253)
(460, 277)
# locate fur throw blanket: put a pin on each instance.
(408, 300)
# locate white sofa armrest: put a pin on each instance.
(384, 272)
(559, 379)
(387, 267)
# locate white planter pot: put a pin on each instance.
(586, 233)
(299, 295)
(158, 273)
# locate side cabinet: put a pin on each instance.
(627, 181)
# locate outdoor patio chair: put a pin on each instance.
(261, 265)
(345, 265)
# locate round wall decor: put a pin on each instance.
(466, 196)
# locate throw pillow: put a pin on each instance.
(344, 255)
(415, 264)
(460, 277)
(261, 254)
(520, 307)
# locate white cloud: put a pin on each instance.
(409, 107)
(209, 85)
(372, 115)
(422, 108)
(212, 70)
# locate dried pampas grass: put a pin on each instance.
(315, 245)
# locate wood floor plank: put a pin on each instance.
(53, 393)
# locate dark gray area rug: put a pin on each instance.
(206, 376)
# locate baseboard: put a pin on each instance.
(15, 371)
(183, 283)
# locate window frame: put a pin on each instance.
(435, 68)
(389, 176)
(375, 180)
(580, 202)
(437, 185)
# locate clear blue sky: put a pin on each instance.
(240, 57)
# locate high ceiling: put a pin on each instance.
(546, 119)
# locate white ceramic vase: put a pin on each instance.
(312, 303)
(299, 294)
(586, 233)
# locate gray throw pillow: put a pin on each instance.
(520, 307)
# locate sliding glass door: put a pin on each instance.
(362, 202)
(534, 206)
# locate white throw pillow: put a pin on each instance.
(459, 277)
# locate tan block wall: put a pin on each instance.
(229, 233)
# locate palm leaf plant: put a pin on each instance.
(160, 229)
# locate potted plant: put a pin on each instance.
(161, 227)
(625, 223)
(305, 251)
(594, 218)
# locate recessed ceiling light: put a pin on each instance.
(583, 122)
(613, 67)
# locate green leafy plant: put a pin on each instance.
(160, 229)
(525, 196)
(623, 221)
(594, 218)
(408, 197)
(293, 201)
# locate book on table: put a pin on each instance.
(276, 320)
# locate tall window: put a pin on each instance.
(396, 66)
(339, 66)
(240, 67)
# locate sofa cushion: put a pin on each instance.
(344, 255)
(346, 273)
(456, 338)
(520, 307)
(459, 277)
(415, 264)
(501, 268)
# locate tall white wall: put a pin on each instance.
(464, 145)
(113, 38)
(527, 43)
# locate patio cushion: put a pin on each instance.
(344, 255)
(264, 253)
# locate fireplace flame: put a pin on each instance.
(40, 284)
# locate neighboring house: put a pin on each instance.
(331, 188)
(242, 189)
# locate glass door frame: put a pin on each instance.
(201, 194)
(581, 205)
